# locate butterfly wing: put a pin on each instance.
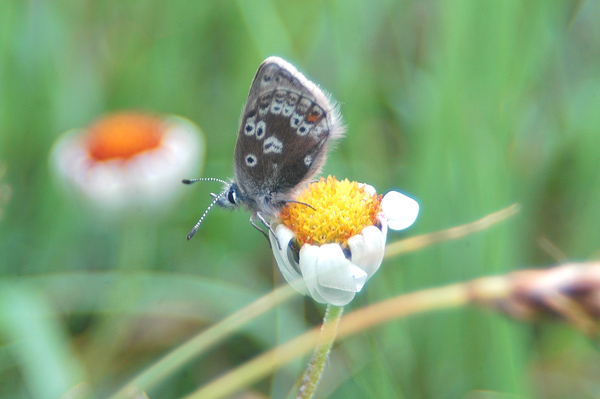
(285, 129)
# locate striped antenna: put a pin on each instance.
(216, 198)
(190, 181)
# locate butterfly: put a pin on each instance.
(287, 126)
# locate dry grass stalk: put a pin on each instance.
(570, 291)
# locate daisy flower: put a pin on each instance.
(128, 159)
(332, 239)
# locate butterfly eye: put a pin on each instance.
(232, 196)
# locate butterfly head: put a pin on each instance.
(230, 197)
(266, 203)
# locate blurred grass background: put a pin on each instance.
(468, 106)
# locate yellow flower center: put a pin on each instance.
(342, 209)
(122, 136)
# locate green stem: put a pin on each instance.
(315, 368)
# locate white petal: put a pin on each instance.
(328, 274)
(399, 210)
(337, 272)
(367, 249)
(69, 157)
(309, 255)
(285, 261)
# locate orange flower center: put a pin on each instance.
(342, 209)
(123, 136)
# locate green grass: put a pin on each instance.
(468, 106)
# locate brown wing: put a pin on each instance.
(284, 131)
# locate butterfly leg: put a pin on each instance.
(298, 202)
(267, 224)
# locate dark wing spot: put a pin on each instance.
(251, 160)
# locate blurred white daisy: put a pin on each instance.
(128, 159)
(330, 248)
